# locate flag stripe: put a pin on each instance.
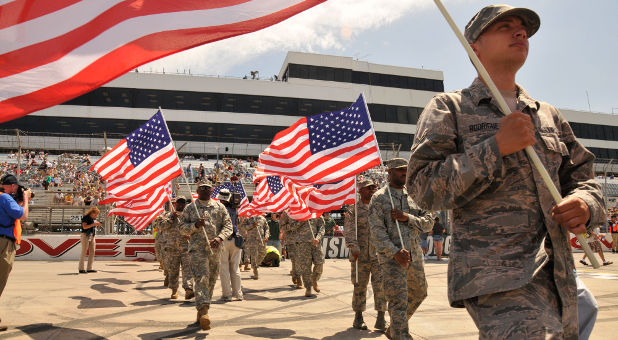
(158, 160)
(144, 205)
(14, 12)
(139, 223)
(131, 43)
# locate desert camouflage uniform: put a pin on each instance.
(176, 251)
(160, 241)
(204, 264)
(290, 238)
(254, 244)
(367, 260)
(504, 237)
(305, 252)
(405, 288)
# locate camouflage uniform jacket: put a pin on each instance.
(383, 229)
(501, 207)
(255, 232)
(299, 230)
(217, 219)
(359, 242)
(171, 228)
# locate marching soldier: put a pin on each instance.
(290, 237)
(160, 241)
(176, 250)
(207, 230)
(361, 251)
(256, 231)
(405, 285)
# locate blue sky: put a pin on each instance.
(574, 52)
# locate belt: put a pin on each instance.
(7, 237)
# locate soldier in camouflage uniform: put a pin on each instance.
(405, 286)
(308, 250)
(255, 230)
(159, 246)
(364, 253)
(214, 219)
(290, 237)
(176, 250)
(510, 262)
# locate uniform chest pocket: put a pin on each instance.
(553, 151)
(553, 143)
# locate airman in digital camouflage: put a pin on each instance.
(405, 285)
(159, 246)
(510, 262)
(207, 230)
(290, 237)
(363, 257)
(256, 233)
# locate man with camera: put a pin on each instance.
(12, 212)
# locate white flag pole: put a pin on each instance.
(184, 177)
(505, 109)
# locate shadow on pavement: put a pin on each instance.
(104, 289)
(353, 333)
(87, 302)
(114, 281)
(41, 331)
(190, 332)
(265, 332)
(157, 302)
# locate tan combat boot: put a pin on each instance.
(255, 274)
(174, 294)
(203, 318)
(189, 294)
(299, 283)
(315, 286)
(308, 292)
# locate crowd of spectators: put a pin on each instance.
(223, 171)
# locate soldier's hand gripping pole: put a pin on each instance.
(505, 109)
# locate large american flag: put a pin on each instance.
(323, 148)
(313, 200)
(233, 187)
(141, 222)
(140, 163)
(55, 50)
(270, 196)
(144, 205)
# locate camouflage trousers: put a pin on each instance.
(205, 270)
(306, 254)
(291, 250)
(367, 268)
(256, 252)
(530, 312)
(405, 290)
(161, 256)
(175, 259)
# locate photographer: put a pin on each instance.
(12, 212)
(89, 224)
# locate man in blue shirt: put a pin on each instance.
(9, 212)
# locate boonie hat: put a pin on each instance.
(204, 183)
(180, 198)
(488, 15)
(365, 183)
(396, 163)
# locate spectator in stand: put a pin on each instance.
(88, 200)
(438, 233)
(68, 198)
(89, 224)
(329, 224)
(78, 200)
(58, 197)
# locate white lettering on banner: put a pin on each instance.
(75, 218)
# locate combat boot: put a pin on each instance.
(174, 294)
(380, 322)
(255, 274)
(166, 282)
(308, 292)
(294, 280)
(315, 286)
(359, 323)
(299, 283)
(203, 318)
(189, 294)
(246, 267)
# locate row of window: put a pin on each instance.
(228, 102)
(186, 131)
(359, 77)
(594, 131)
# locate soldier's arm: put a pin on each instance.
(319, 225)
(265, 228)
(187, 221)
(377, 227)
(349, 230)
(424, 221)
(577, 175)
(227, 229)
(440, 177)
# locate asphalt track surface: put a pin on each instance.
(127, 300)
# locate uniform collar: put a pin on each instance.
(480, 93)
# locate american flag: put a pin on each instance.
(144, 205)
(270, 196)
(323, 148)
(140, 163)
(233, 188)
(52, 51)
(141, 222)
(311, 201)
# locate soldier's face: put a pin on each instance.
(397, 176)
(503, 44)
(367, 192)
(203, 192)
(180, 205)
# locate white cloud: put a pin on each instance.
(326, 26)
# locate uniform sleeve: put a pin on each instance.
(283, 224)
(424, 221)
(440, 177)
(187, 221)
(349, 229)
(265, 228)
(577, 175)
(226, 224)
(320, 228)
(378, 234)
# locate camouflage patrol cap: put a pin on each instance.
(488, 15)
(204, 183)
(365, 183)
(180, 198)
(396, 163)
